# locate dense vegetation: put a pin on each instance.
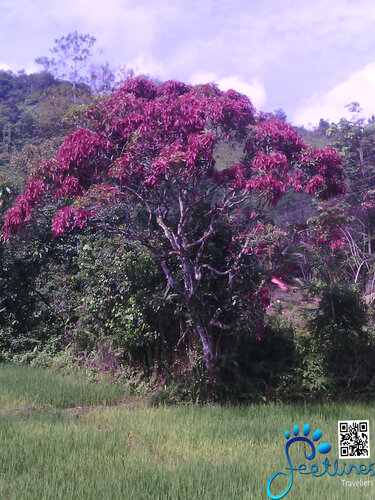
(97, 295)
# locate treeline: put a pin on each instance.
(100, 301)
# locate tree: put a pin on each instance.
(355, 142)
(149, 153)
(70, 55)
(104, 79)
(280, 114)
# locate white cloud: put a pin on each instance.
(253, 89)
(202, 77)
(4, 66)
(358, 87)
(145, 64)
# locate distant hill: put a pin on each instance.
(317, 136)
(31, 110)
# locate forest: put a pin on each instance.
(183, 243)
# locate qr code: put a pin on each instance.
(354, 439)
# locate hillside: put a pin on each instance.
(33, 108)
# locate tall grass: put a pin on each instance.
(176, 453)
(22, 386)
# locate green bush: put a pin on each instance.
(338, 353)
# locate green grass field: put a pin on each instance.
(63, 438)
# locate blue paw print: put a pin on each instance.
(322, 448)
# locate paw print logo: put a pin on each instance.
(323, 448)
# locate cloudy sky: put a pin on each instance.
(308, 57)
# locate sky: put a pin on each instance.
(309, 57)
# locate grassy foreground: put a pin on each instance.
(60, 441)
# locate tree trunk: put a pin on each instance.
(209, 352)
